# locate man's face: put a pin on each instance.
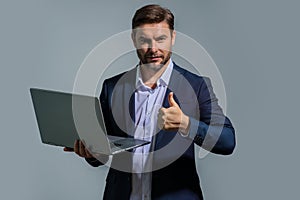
(153, 43)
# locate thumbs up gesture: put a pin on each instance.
(173, 118)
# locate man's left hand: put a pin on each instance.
(173, 118)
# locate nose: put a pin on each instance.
(153, 46)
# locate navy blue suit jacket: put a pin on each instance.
(209, 129)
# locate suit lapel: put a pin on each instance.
(163, 137)
(123, 102)
(126, 95)
(130, 102)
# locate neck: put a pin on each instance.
(150, 75)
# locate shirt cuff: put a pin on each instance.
(184, 135)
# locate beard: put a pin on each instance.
(152, 64)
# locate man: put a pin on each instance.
(165, 104)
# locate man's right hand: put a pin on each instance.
(79, 149)
(94, 159)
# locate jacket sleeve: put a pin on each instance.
(214, 131)
(95, 162)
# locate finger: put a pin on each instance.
(82, 149)
(162, 111)
(170, 126)
(160, 122)
(88, 150)
(160, 126)
(87, 153)
(68, 149)
(160, 114)
(171, 100)
(76, 147)
(166, 127)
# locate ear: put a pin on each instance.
(173, 37)
(133, 39)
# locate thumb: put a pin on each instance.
(172, 102)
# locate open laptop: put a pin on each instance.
(64, 117)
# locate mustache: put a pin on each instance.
(151, 55)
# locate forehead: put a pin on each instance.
(152, 30)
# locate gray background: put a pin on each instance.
(254, 43)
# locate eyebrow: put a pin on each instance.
(159, 37)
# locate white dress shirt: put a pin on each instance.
(148, 101)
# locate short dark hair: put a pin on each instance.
(151, 14)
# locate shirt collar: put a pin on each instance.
(163, 80)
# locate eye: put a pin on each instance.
(142, 40)
(161, 39)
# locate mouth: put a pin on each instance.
(154, 58)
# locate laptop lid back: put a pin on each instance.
(63, 118)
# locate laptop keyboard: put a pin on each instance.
(124, 142)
